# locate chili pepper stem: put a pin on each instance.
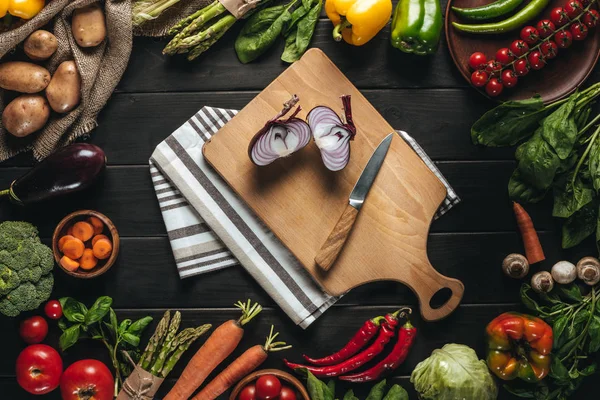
(337, 30)
(4, 192)
(402, 312)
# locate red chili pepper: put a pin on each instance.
(405, 340)
(386, 333)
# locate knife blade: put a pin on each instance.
(338, 236)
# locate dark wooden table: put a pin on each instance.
(424, 96)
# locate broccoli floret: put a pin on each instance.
(44, 288)
(46, 257)
(12, 232)
(8, 280)
(24, 297)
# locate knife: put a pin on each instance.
(334, 243)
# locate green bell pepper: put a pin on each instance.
(417, 26)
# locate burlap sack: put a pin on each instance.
(100, 67)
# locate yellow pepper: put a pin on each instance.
(358, 21)
(4, 7)
(25, 9)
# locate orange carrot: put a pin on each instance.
(98, 237)
(87, 260)
(242, 366)
(96, 224)
(531, 241)
(102, 249)
(83, 231)
(217, 347)
(62, 240)
(69, 264)
(73, 248)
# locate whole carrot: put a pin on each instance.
(217, 347)
(242, 366)
(531, 241)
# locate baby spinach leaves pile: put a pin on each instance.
(295, 21)
(561, 155)
(318, 390)
(575, 321)
(99, 322)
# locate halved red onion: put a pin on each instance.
(279, 138)
(332, 135)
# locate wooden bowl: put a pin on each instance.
(560, 77)
(283, 376)
(109, 230)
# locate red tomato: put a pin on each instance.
(287, 393)
(545, 27)
(477, 60)
(53, 309)
(573, 8)
(493, 67)
(33, 330)
(38, 369)
(87, 379)
(521, 67)
(564, 39)
(267, 387)
(509, 78)
(579, 31)
(558, 16)
(248, 393)
(493, 87)
(590, 19)
(549, 49)
(519, 47)
(504, 56)
(536, 61)
(479, 78)
(530, 35)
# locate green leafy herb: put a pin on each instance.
(300, 33)
(580, 225)
(318, 390)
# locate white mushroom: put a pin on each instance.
(542, 282)
(588, 270)
(564, 272)
(515, 266)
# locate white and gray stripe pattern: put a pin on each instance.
(211, 228)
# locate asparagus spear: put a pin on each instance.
(204, 40)
(166, 346)
(155, 341)
(175, 29)
(182, 348)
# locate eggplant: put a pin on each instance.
(68, 170)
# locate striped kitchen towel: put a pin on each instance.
(210, 227)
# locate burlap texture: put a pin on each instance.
(100, 67)
(160, 26)
(140, 385)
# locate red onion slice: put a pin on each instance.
(279, 138)
(332, 136)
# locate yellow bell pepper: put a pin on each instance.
(4, 7)
(25, 9)
(358, 21)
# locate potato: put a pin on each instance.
(88, 25)
(23, 77)
(25, 114)
(64, 91)
(40, 45)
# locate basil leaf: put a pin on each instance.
(527, 300)
(124, 326)
(570, 197)
(138, 326)
(98, 310)
(62, 324)
(113, 322)
(396, 392)
(538, 162)
(73, 310)
(331, 386)
(594, 334)
(560, 130)
(69, 337)
(350, 395)
(580, 225)
(571, 292)
(508, 123)
(317, 389)
(522, 192)
(131, 339)
(299, 39)
(377, 391)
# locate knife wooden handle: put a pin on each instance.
(333, 245)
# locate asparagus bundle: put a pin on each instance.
(145, 10)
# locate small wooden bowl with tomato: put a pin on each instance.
(273, 383)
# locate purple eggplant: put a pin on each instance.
(68, 170)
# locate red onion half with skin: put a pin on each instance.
(279, 137)
(332, 135)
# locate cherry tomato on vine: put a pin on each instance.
(509, 78)
(529, 35)
(53, 309)
(493, 67)
(477, 60)
(545, 27)
(549, 49)
(504, 56)
(479, 78)
(519, 47)
(573, 8)
(563, 39)
(536, 61)
(521, 67)
(558, 16)
(579, 31)
(493, 87)
(590, 19)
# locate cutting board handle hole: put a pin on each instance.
(440, 298)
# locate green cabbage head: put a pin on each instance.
(454, 373)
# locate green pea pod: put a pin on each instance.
(516, 21)
(417, 26)
(487, 12)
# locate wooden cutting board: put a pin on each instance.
(301, 201)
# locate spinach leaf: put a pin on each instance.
(558, 370)
(594, 164)
(98, 310)
(396, 392)
(538, 162)
(557, 330)
(570, 197)
(69, 337)
(317, 389)
(350, 395)
(521, 191)
(377, 391)
(508, 123)
(297, 15)
(298, 39)
(572, 292)
(580, 225)
(261, 31)
(560, 130)
(73, 310)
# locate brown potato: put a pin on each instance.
(40, 45)
(23, 77)
(64, 91)
(25, 114)
(88, 25)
